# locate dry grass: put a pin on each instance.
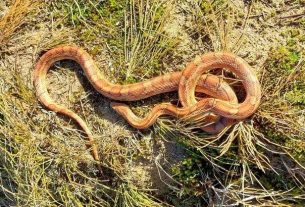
(15, 17)
(44, 162)
(248, 148)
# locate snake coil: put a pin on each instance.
(222, 103)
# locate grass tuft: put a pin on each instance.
(256, 162)
(15, 17)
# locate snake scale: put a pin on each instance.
(222, 102)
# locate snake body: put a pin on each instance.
(222, 101)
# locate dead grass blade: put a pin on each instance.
(15, 17)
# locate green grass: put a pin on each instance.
(44, 161)
(276, 130)
(132, 33)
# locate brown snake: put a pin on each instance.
(222, 102)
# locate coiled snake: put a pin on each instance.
(222, 102)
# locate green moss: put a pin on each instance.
(189, 172)
(206, 6)
(300, 2)
(275, 136)
(281, 182)
(296, 95)
(296, 145)
(301, 22)
(283, 59)
(284, 63)
(276, 181)
(209, 6)
(298, 149)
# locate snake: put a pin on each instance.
(221, 101)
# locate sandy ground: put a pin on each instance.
(252, 39)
